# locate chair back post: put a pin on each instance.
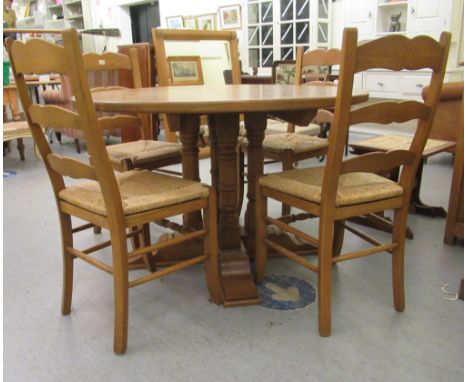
(431, 100)
(89, 121)
(339, 129)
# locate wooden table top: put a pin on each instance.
(205, 99)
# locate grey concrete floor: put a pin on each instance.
(175, 334)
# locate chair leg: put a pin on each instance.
(324, 276)
(120, 267)
(213, 280)
(77, 146)
(288, 164)
(399, 231)
(20, 147)
(67, 241)
(260, 233)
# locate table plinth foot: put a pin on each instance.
(236, 279)
(424, 209)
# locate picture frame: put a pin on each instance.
(190, 22)
(175, 22)
(230, 17)
(185, 70)
(207, 21)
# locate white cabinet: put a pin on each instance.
(275, 28)
(379, 17)
(361, 15)
(376, 18)
(429, 15)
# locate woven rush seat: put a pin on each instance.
(290, 141)
(140, 190)
(143, 151)
(397, 142)
(353, 188)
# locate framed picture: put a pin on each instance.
(190, 22)
(185, 70)
(207, 22)
(231, 17)
(175, 22)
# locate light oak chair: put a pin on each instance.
(345, 188)
(114, 201)
(106, 69)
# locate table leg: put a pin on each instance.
(417, 206)
(236, 278)
(255, 127)
(189, 129)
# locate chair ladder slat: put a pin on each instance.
(168, 270)
(292, 256)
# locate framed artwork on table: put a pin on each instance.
(185, 70)
(231, 17)
(207, 22)
(175, 22)
(190, 22)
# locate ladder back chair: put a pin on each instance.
(315, 68)
(291, 147)
(114, 201)
(105, 71)
(345, 188)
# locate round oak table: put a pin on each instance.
(224, 104)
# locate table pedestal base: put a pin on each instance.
(236, 279)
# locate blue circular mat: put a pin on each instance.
(285, 293)
(8, 173)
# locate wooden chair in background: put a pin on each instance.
(111, 68)
(116, 202)
(345, 188)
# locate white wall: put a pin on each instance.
(116, 14)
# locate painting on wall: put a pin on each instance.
(190, 22)
(175, 22)
(185, 70)
(231, 17)
(207, 22)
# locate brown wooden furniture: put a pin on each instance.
(147, 80)
(454, 226)
(346, 188)
(223, 104)
(446, 125)
(384, 143)
(316, 66)
(15, 129)
(144, 153)
(114, 202)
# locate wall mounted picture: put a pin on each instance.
(207, 22)
(190, 22)
(231, 17)
(185, 70)
(175, 22)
